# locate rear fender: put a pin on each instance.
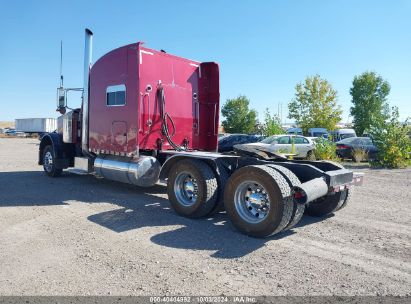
(333, 173)
(213, 161)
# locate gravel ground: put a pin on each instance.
(80, 235)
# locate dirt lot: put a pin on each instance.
(79, 235)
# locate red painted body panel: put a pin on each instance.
(192, 100)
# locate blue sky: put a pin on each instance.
(263, 47)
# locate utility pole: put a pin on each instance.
(281, 118)
(280, 111)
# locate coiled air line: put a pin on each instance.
(165, 117)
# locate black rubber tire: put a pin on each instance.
(207, 188)
(344, 198)
(51, 171)
(274, 183)
(347, 198)
(298, 209)
(327, 204)
(310, 155)
(222, 178)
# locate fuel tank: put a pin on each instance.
(143, 171)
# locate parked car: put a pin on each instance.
(10, 132)
(341, 134)
(347, 147)
(296, 131)
(21, 134)
(318, 132)
(226, 143)
(283, 144)
(17, 133)
(13, 132)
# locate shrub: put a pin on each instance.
(325, 150)
(360, 155)
(392, 141)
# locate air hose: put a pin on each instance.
(165, 117)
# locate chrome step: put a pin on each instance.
(78, 171)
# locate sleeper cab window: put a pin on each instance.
(116, 95)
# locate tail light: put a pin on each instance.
(342, 147)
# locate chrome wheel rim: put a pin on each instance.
(186, 189)
(252, 202)
(48, 161)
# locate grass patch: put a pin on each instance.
(360, 155)
(6, 124)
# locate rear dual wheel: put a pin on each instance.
(293, 181)
(257, 198)
(256, 201)
(329, 204)
(192, 188)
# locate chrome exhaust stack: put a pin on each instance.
(88, 46)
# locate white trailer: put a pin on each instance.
(36, 125)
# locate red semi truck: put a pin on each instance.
(147, 115)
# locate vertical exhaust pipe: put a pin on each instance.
(88, 45)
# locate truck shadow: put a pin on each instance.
(218, 235)
(139, 207)
(34, 188)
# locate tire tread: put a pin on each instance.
(298, 209)
(211, 187)
(279, 187)
(222, 178)
(286, 194)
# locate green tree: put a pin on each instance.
(272, 124)
(315, 104)
(239, 118)
(392, 141)
(369, 97)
